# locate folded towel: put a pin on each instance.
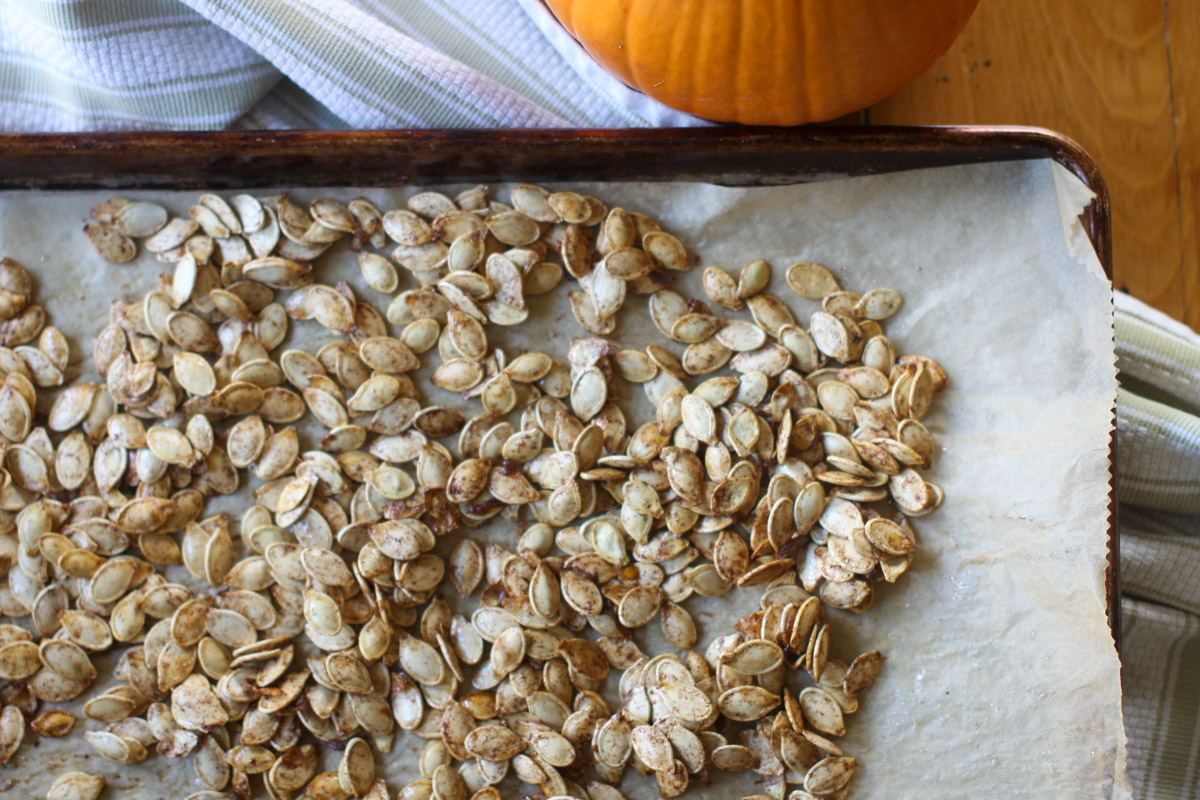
(146, 64)
(1158, 479)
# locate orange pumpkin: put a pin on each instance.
(768, 62)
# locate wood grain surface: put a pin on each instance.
(1183, 38)
(1114, 76)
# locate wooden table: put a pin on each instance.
(1121, 77)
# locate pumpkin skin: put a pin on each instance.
(765, 62)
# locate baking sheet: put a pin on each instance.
(1000, 676)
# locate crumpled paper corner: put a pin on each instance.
(1073, 197)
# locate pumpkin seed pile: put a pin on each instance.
(322, 617)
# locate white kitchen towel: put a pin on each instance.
(156, 64)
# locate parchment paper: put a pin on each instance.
(1000, 678)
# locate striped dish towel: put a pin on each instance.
(198, 64)
(1158, 467)
(258, 64)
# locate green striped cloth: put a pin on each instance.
(1158, 466)
(145, 64)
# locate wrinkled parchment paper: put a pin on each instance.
(1000, 678)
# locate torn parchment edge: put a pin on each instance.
(1073, 197)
